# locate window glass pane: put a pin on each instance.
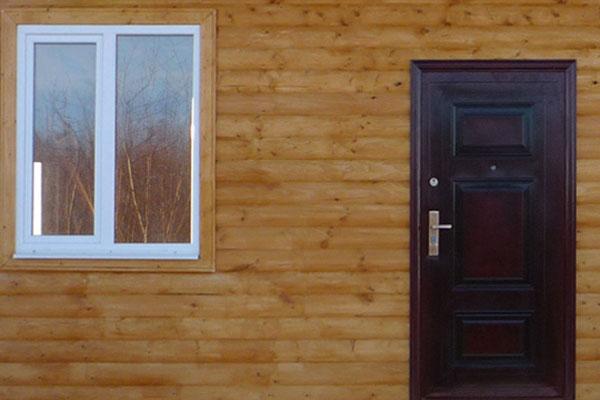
(63, 124)
(153, 165)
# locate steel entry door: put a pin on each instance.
(493, 271)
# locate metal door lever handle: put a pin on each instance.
(442, 226)
(434, 232)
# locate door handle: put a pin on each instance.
(443, 226)
(434, 232)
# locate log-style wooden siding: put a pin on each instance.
(310, 297)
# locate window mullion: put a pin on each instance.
(106, 138)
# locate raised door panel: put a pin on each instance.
(492, 129)
(493, 238)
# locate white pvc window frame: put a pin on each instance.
(100, 245)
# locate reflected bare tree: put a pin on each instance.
(153, 182)
(64, 137)
(153, 154)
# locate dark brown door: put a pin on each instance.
(492, 313)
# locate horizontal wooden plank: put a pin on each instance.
(33, 392)
(587, 391)
(588, 349)
(388, 58)
(480, 15)
(312, 104)
(327, 15)
(114, 374)
(118, 14)
(588, 238)
(274, 171)
(352, 147)
(336, 80)
(283, 37)
(345, 81)
(252, 283)
(345, 392)
(587, 126)
(312, 238)
(521, 2)
(587, 170)
(588, 282)
(243, 59)
(588, 304)
(215, 306)
(284, 127)
(588, 148)
(588, 372)
(277, 81)
(440, 37)
(587, 78)
(164, 328)
(588, 327)
(346, 193)
(333, 104)
(313, 260)
(374, 216)
(588, 193)
(587, 103)
(247, 392)
(588, 259)
(204, 351)
(221, 3)
(191, 283)
(17, 282)
(173, 3)
(338, 128)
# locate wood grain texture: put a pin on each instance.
(311, 284)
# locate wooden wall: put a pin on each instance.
(310, 298)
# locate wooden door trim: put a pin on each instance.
(568, 67)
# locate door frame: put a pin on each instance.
(417, 68)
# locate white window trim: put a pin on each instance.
(101, 244)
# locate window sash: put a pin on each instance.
(102, 243)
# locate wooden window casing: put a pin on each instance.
(10, 20)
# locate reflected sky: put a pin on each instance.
(154, 83)
(64, 87)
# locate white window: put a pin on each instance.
(108, 141)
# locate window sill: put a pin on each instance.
(17, 263)
(119, 251)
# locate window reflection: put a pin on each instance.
(63, 123)
(154, 95)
